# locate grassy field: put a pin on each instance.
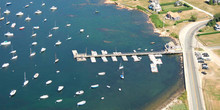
(217, 52)
(210, 40)
(207, 29)
(211, 87)
(179, 107)
(166, 1)
(202, 5)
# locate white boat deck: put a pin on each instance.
(114, 59)
(136, 59)
(153, 68)
(94, 53)
(124, 58)
(158, 61)
(93, 60)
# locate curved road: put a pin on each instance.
(193, 88)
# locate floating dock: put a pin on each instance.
(136, 59)
(153, 67)
(114, 59)
(104, 52)
(124, 58)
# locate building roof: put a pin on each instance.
(173, 14)
(218, 23)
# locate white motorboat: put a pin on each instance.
(80, 92)
(81, 103)
(13, 92)
(38, 12)
(13, 25)
(36, 75)
(87, 36)
(8, 4)
(13, 52)
(59, 100)
(120, 67)
(5, 65)
(108, 86)
(21, 28)
(32, 53)
(6, 43)
(34, 35)
(43, 4)
(42, 50)
(94, 86)
(57, 71)
(58, 43)
(7, 12)
(81, 30)
(9, 34)
(8, 22)
(14, 57)
(60, 88)
(48, 82)
(19, 14)
(36, 27)
(69, 38)
(68, 25)
(53, 8)
(27, 19)
(44, 97)
(26, 6)
(119, 89)
(101, 73)
(2, 18)
(45, 20)
(25, 80)
(34, 43)
(102, 98)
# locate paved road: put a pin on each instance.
(214, 47)
(194, 92)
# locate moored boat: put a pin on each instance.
(44, 96)
(34, 43)
(59, 100)
(42, 50)
(58, 43)
(48, 82)
(7, 12)
(19, 14)
(21, 28)
(60, 88)
(9, 34)
(6, 43)
(27, 19)
(101, 73)
(13, 25)
(94, 86)
(53, 8)
(36, 75)
(12, 93)
(25, 80)
(81, 103)
(5, 65)
(38, 12)
(80, 92)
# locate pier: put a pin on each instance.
(83, 56)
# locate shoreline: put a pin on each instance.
(173, 99)
(161, 33)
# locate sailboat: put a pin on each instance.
(12, 93)
(120, 67)
(55, 27)
(122, 75)
(56, 59)
(1, 18)
(50, 35)
(25, 80)
(14, 57)
(32, 53)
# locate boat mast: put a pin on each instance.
(24, 76)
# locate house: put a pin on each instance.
(217, 26)
(173, 16)
(155, 6)
(178, 3)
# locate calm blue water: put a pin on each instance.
(111, 30)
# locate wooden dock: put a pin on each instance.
(83, 56)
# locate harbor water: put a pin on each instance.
(108, 29)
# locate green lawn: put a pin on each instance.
(179, 107)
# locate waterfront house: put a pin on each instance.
(178, 3)
(173, 16)
(155, 6)
(217, 26)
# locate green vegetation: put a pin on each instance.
(210, 2)
(114, 0)
(141, 8)
(198, 49)
(193, 18)
(164, 4)
(174, 35)
(156, 20)
(180, 21)
(179, 107)
(214, 20)
(208, 33)
(182, 8)
(183, 98)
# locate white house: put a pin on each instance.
(217, 26)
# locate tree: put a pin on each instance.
(210, 2)
(193, 18)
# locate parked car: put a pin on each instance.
(203, 72)
(205, 66)
(205, 54)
